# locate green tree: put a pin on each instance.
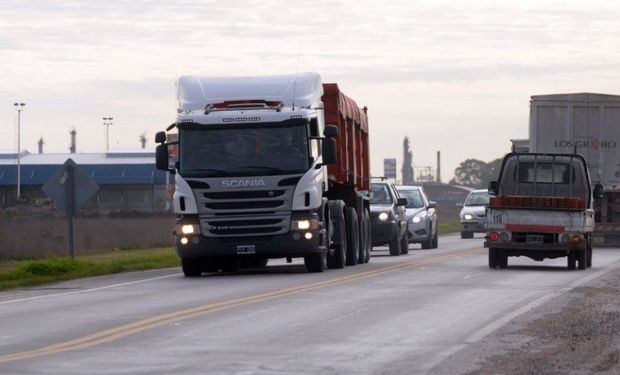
(476, 173)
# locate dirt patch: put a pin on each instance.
(577, 333)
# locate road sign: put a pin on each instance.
(389, 168)
(70, 188)
(70, 196)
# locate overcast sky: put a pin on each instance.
(454, 76)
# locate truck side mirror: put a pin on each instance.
(161, 157)
(330, 131)
(599, 191)
(492, 187)
(402, 202)
(328, 150)
(160, 137)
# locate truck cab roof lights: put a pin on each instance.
(233, 105)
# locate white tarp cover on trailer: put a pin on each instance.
(195, 93)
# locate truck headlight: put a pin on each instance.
(188, 229)
(384, 216)
(304, 224)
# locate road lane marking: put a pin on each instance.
(129, 329)
(89, 290)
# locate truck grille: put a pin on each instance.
(246, 211)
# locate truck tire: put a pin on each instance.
(492, 258)
(192, 267)
(316, 262)
(365, 246)
(571, 259)
(353, 238)
(338, 257)
(404, 245)
(582, 259)
(395, 246)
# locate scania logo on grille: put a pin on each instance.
(243, 183)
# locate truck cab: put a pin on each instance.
(541, 207)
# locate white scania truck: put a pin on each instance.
(268, 167)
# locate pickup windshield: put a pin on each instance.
(247, 151)
(544, 176)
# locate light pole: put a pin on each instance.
(19, 107)
(107, 121)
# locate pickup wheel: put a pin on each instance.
(428, 244)
(582, 259)
(435, 243)
(316, 262)
(192, 267)
(395, 246)
(502, 258)
(404, 245)
(353, 238)
(571, 259)
(492, 258)
(589, 255)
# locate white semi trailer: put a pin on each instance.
(589, 125)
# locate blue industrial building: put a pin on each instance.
(128, 181)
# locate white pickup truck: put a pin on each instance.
(541, 207)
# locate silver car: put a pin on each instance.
(472, 213)
(421, 216)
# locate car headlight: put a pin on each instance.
(417, 218)
(467, 217)
(384, 216)
(304, 224)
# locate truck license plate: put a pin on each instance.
(246, 249)
(534, 238)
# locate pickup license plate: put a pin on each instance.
(534, 238)
(246, 249)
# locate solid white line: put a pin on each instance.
(89, 290)
(477, 336)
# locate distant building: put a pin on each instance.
(128, 181)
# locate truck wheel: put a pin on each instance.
(571, 259)
(192, 267)
(338, 258)
(366, 247)
(316, 262)
(492, 258)
(582, 259)
(404, 245)
(353, 238)
(395, 246)
(589, 255)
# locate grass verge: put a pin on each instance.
(14, 274)
(451, 226)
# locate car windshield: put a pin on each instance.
(414, 198)
(379, 194)
(477, 199)
(249, 151)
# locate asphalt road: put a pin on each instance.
(395, 315)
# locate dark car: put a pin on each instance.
(421, 217)
(388, 223)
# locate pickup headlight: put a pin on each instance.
(384, 216)
(418, 217)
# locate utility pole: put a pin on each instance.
(19, 107)
(107, 121)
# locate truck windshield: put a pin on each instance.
(255, 151)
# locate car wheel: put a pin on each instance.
(435, 241)
(395, 246)
(404, 245)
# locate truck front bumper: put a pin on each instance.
(292, 244)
